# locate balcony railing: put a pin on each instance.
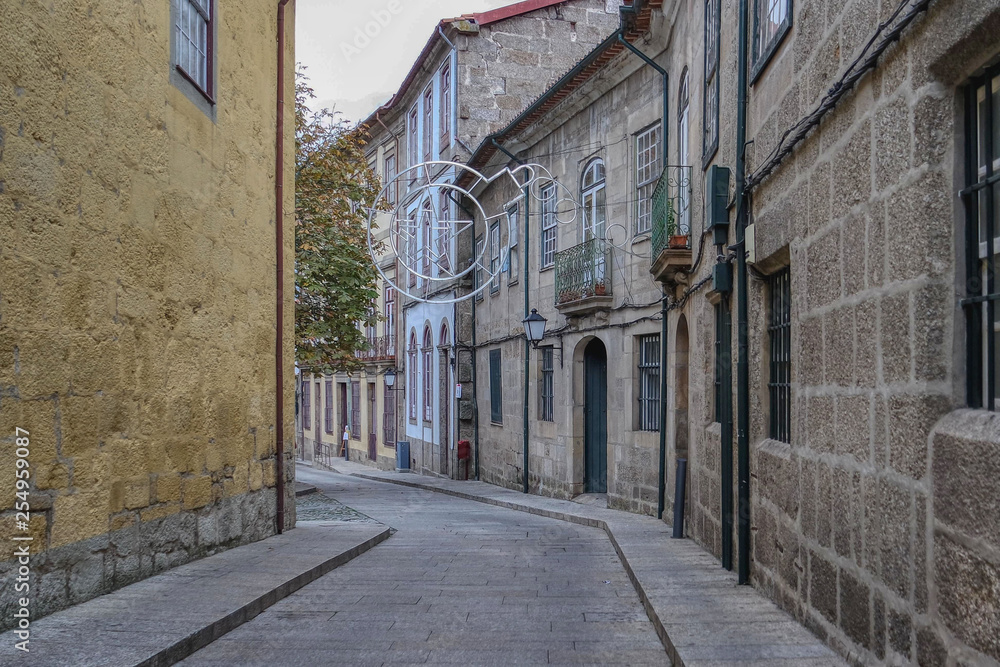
(583, 273)
(671, 211)
(382, 348)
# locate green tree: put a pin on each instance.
(335, 279)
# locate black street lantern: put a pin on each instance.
(534, 327)
(390, 377)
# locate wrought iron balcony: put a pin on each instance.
(583, 277)
(382, 348)
(671, 224)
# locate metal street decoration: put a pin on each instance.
(429, 222)
(425, 219)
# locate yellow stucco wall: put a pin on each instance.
(137, 266)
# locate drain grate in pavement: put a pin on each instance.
(318, 507)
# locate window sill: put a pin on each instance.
(547, 268)
(493, 423)
(197, 86)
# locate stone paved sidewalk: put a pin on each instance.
(165, 618)
(702, 616)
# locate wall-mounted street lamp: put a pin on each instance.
(390, 377)
(534, 327)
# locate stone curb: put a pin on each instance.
(304, 489)
(661, 632)
(202, 638)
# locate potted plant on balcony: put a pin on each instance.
(600, 289)
(678, 241)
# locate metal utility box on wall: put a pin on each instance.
(716, 213)
(402, 455)
(722, 278)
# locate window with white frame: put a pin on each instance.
(593, 198)
(443, 250)
(390, 320)
(194, 43)
(411, 139)
(445, 106)
(480, 274)
(389, 178)
(648, 165)
(411, 385)
(772, 21)
(649, 382)
(428, 374)
(428, 134)
(495, 257)
(548, 244)
(512, 263)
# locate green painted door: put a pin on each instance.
(595, 409)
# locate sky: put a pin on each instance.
(356, 52)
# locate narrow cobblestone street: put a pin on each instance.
(460, 582)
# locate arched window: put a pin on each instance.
(443, 246)
(445, 337)
(428, 372)
(683, 157)
(592, 190)
(411, 364)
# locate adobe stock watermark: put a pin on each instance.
(22, 552)
(363, 36)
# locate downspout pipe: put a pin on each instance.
(742, 367)
(279, 249)
(662, 484)
(649, 61)
(527, 345)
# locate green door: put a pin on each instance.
(595, 409)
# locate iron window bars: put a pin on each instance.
(545, 386)
(649, 382)
(496, 399)
(982, 247)
(779, 329)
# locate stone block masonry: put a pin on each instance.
(137, 292)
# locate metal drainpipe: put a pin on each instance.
(662, 486)
(742, 368)
(527, 345)
(662, 489)
(279, 245)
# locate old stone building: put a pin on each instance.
(139, 177)
(838, 453)
(474, 74)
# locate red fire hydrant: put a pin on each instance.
(464, 454)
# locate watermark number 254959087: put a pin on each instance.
(22, 538)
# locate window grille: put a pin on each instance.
(779, 330)
(649, 382)
(496, 400)
(980, 196)
(545, 388)
(648, 165)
